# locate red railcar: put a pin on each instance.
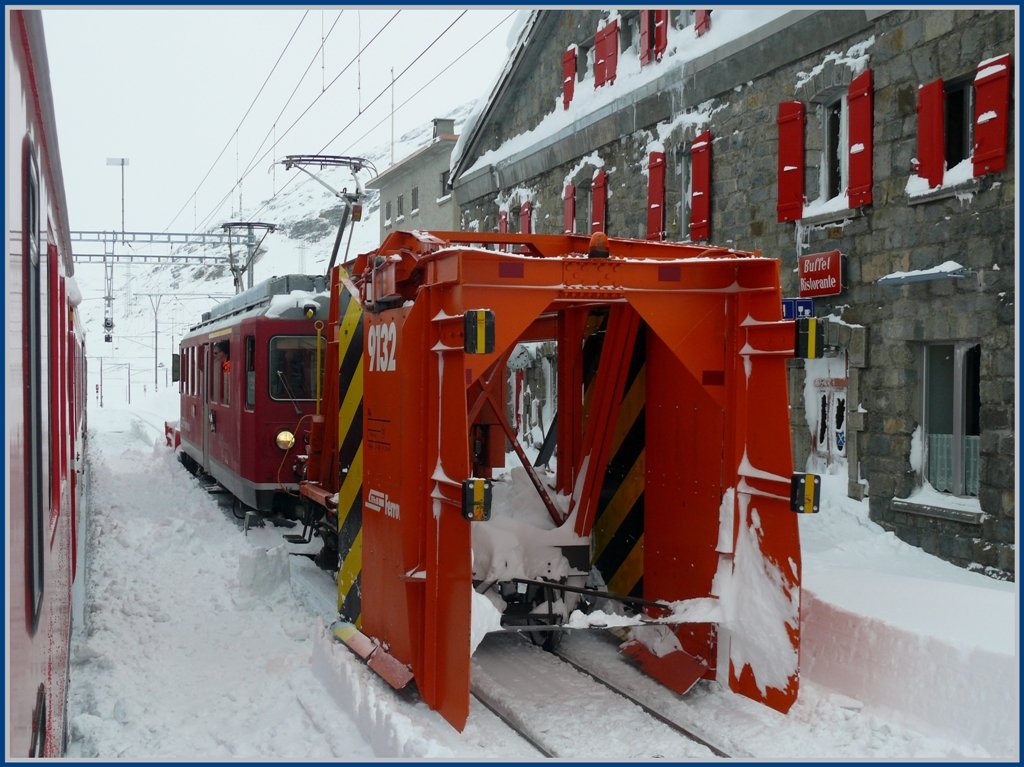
(46, 426)
(249, 383)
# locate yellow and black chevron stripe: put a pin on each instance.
(350, 457)
(618, 537)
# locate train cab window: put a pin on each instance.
(35, 476)
(292, 367)
(220, 372)
(250, 372)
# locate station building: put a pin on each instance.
(870, 151)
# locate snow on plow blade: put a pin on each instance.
(385, 666)
(678, 671)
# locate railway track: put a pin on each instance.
(566, 710)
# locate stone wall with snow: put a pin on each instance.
(526, 145)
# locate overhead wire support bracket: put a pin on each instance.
(252, 245)
(351, 201)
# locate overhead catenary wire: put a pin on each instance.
(385, 90)
(451, 64)
(273, 128)
(253, 164)
(240, 122)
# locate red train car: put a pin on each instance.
(249, 389)
(46, 426)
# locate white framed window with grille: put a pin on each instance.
(686, 188)
(952, 417)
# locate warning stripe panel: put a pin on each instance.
(350, 457)
(617, 546)
(628, 579)
(612, 516)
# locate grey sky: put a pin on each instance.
(167, 89)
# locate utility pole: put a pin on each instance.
(156, 357)
(122, 161)
(251, 246)
(392, 115)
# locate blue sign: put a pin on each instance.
(793, 308)
(804, 307)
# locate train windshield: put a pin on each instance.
(293, 367)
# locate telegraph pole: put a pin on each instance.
(122, 161)
(156, 357)
(251, 246)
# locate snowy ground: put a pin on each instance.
(196, 644)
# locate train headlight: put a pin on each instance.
(285, 439)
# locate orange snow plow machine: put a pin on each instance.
(664, 477)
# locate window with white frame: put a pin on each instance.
(835, 160)
(415, 199)
(684, 202)
(584, 196)
(952, 410)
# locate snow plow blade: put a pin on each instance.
(385, 666)
(678, 671)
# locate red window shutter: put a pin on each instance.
(656, 196)
(600, 62)
(568, 77)
(645, 37)
(502, 221)
(569, 209)
(702, 21)
(860, 102)
(611, 42)
(991, 115)
(660, 33)
(597, 209)
(931, 132)
(700, 187)
(606, 54)
(790, 205)
(525, 212)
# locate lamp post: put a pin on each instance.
(122, 161)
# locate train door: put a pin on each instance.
(827, 385)
(204, 394)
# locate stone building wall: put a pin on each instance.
(881, 330)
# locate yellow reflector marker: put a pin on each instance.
(805, 493)
(478, 331)
(810, 338)
(476, 499)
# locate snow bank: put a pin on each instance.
(922, 681)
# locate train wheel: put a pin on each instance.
(238, 508)
(549, 639)
(186, 460)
